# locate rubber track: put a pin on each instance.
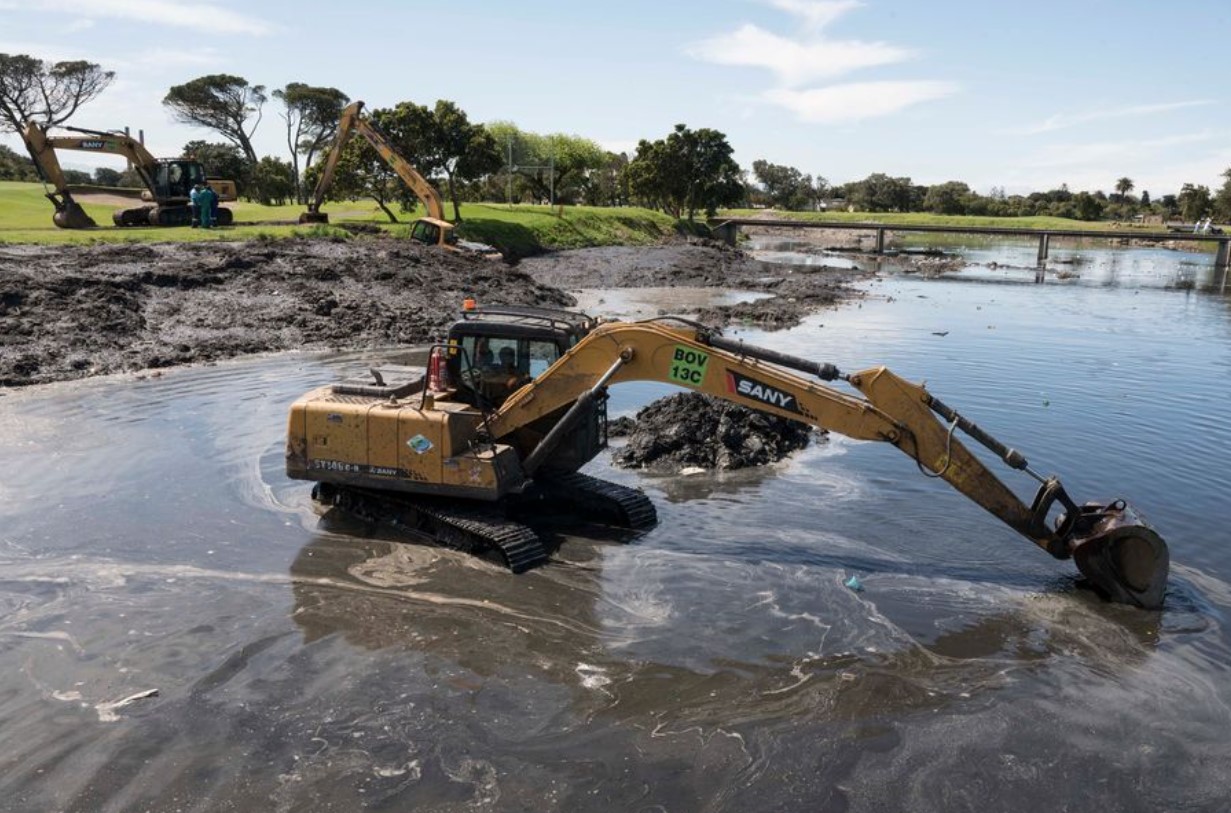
(622, 505)
(454, 526)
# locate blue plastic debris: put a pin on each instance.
(854, 583)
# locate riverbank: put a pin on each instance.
(72, 312)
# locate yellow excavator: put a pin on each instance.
(432, 230)
(168, 182)
(513, 403)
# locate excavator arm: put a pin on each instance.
(353, 121)
(1117, 551)
(42, 148)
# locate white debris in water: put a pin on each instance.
(689, 471)
(106, 711)
(592, 677)
(412, 768)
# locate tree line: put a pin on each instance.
(685, 173)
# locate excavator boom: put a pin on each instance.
(1114, 547)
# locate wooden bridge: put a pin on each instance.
(728, 230)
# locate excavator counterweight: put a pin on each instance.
(515, 403)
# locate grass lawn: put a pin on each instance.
(518, 230)
(25, 217)
(927, 219)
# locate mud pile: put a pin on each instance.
(74, 311)
(690, 429)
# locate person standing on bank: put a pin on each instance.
(206, 199)
(194, 204)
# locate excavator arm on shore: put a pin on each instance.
(168, 183)
(1117, 551)
(431, 229)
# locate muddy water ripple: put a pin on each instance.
(179, 629)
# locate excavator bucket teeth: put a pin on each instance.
(1122, 556)
(72, 216)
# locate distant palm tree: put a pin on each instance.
(1124, 186)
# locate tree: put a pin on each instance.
(15, 167)
(1123, 187)
(1222, 200)
(549, 168)
(222, 103)
(311, 115)
(106, 176)
(463, 151)
(222, 161)
(687, 172)
(1194, 202)
(785, 187)
(819, 192)
(950, 198)
(273, 178)
(880, 193)
(1086, 206)
(49, 93)
(609, 185)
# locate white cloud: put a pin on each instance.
(857, 100)
(1060, 121)
(177, 13)
(166, 57)
(808, 58)
(796, 63)
(1126, 152)
(816, 14)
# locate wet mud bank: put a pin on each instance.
(794, 291)
(69, 312)
(75, 311)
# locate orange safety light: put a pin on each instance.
(468, 304)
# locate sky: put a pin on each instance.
(1020, 96)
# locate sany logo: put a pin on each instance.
(93, 145)
(751, 388)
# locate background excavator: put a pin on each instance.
(434, 229)
(457, 452)
(168, 182)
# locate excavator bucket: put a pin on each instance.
(1121, 555)
(72, 216)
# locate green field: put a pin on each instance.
(25, 217)
(926, 219)
(519, 230)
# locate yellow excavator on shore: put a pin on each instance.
(168, 181)
(514, 403)
(432, 230)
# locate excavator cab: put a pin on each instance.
(495, 351)
(433, 232)
(173, 180)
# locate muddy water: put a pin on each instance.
(150, 543)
